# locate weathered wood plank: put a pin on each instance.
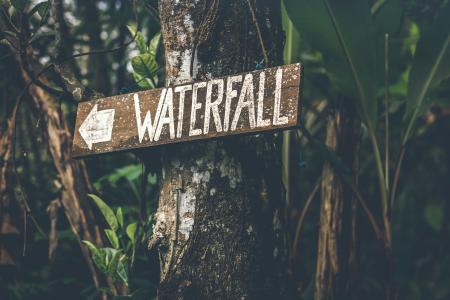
(244, 103)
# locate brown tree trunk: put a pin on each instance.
(336, 253)
(11, 212)
(219, 226)
(72, 176)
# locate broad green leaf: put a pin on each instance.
(154, 44)
(106, 211)
(139, 38)
(119, 216)
(145, 65)
(344, 34)
(19, 4)
(431, 65)
(434, 216)
(131, 231)
(112, 237)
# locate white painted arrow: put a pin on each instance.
(97, 127)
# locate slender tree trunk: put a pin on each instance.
(336, 254)
(72, 176)
(218, 226)
(11, 212)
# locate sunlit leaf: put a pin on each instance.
(139, 38)
(107, 212)
(154, 44)
(145, 65)
(131, 231)
(112, 237)
(119, 216)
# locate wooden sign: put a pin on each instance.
(245, 103)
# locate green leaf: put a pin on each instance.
(91, 246)
(131, 231)
(434, 216)
(145, 83)
(122, 269)
(106, 211)
(344, 35)
(431, 65)
(112, 237)
(112, 265)
(42, 8)
(145, 65)
(119, 216)
(139, 38)
(154, 44)
(19, 4)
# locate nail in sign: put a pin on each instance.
(251, 102)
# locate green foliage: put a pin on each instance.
(19, 4)
(430, 67)
(145, 64)
(347, 49)
(107, 212)
(117, 261)
(434, 216)
(43, 10)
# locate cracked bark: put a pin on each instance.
(336, 253)
(218, 226)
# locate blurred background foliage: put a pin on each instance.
(390, 59)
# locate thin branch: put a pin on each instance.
(397, 175)
(258, 30)
(298, 228)
(386, 108)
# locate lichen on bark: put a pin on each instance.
(217, 227)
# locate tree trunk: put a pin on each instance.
(72, 176)
(218, 225)
(336, 253)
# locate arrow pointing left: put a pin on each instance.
(98, 126)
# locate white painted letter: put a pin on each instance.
(230, 95)
(246, 92)
(147, 124)
(167, 108)
(214, 106)
(182, 90)
(195, 106)
(260, 122)
(277, 120)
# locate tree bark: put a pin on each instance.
(218, 226)
(336, 253)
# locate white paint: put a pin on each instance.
(231, 93)
(195, 106)
(213, 107)
(260, 122)
(182, 90)
(246, 93)
(277, 120)
(98, 126)
(147, 125)
(166, 116)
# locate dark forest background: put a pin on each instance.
(384, 63)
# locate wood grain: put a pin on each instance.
(125, 127)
